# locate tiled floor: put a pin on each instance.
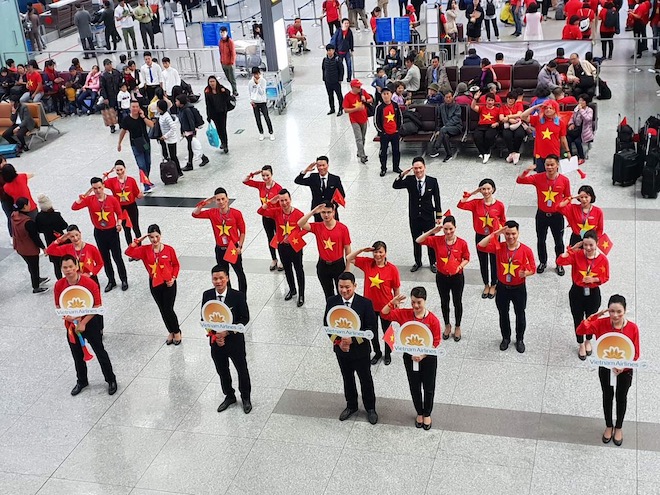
(504, 423)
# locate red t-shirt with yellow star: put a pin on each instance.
(488, 116)
(286, 224)
(89, 258)
(548, 133)
(582, 267)
(448, 256)
(402, 316)
(226, 226)
(549, 192)
(265, 193)
(164, 264)
(581, 222)
(126, 192)
(330, 243)
(351, 100)
(379, 281)
(511, 261)
(485, 218)
(104, 214)
(389, 119)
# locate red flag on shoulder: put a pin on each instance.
(231, 255)
(338, 198)
(605, 244)
(389, 337)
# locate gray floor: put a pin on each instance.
(504, 423)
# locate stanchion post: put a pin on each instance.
(322, 37)
(315, 23)
(372, 58)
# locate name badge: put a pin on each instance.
(487, 230)
(549, 203)
(587, 291)
(508, 278)
(104, 224)
(225, 241)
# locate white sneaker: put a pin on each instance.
(509, 158)
(272, 137)
(261, 137)
(357, 29)
(486, 157)
(480, 155)
(516, 158)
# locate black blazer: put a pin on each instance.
(313, 181)
(426, 206)
(239, 310)
(365, 309)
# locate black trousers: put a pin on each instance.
(147, 32)
(484, 138)
(513, 138)
(583, 306)
(88, 46)
(292, 261)
(486, 260)
(328, 274)
(385, 141)
(422, 383)
(545, 6)
(111, 33)
(8, 208)
(605, 42)
(574, 239)
(57, 266)
(18, 138)
(235, 350)
(375, 342)
(270, 228)
(134, 215)
(191, 154)
(94, 337)
(639, 33)
(496, 31)
(451, 287)
(517, 295)
(555, 222)
(220, 122)
(150, 91)
(33, 268)
(623, 382)
(418, 226)
(238, 267)
(262, 109)
(334, 89)
(349, 366)
(165, 297)
(445, 133)
(332, 26)
(108, 242)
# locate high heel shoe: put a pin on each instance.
(616, 442)
(427, 427)
(606, 439)
(418, 424)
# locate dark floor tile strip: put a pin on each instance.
(616, 214)
(171, 201)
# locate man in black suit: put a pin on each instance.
(230, 345)
(424, 210)
(321, 184)
(353, 356)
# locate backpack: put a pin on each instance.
(559, 12)
(231, 103)
(462, 5)
(490, 8)
(585, 22)
(197, 117)
(412, 123)
(604, 91)
(611, 18)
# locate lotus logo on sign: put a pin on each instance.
(415, 338)
(345, 322)
(217, 317)
(77, 300)
(615, 350)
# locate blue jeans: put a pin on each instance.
(517, 19)
(143, 159)
(87, 94)
(349, 65)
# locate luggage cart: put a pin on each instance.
(248, 55)
(98, 35)
(277, 89)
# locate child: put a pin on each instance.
(122, 62)
(70, 94)
(259, 102)
(76, 63)
(379, 82)
(397, 96)
(392, 63)
(123, 101)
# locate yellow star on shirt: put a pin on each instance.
(102, 215)
(586, 226)
(487, 221)
(510, 269)
(587, 273)
(286, 229)
(224, 229)
(123, 196)
(445, 260)
(550, 195)
(547, 133)
(329, 244)
(357, 104)
(376, 281)
(154, 269)
(488, 116)
(90, 262)
(390, 117)
(264, 201)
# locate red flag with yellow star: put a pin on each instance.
(338, 198)
(389, 338)
(605, 244)
(447, 213)
(124, 217)
(231, 255)
(273, 242)
(145, 180)
(296, 240)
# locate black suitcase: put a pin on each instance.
(168, 172)
(651, 175)
(625, 168)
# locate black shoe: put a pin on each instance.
(112, 388)
(398, 171)
(418, 424)
(375, 359)
(301, 301)
(289, 295)
(383, 172)
(504, 345)
(77, 389)
(415, 267)
(332, 110)
(247, 406)
(205, 160)
(387, 360)
(347, 413)
(110, 286)
(434, 269)
(560, 271)
(520, 346)
(124, 285)
(340, 112)
(606, 439)
(43, 280)
(39, 290)
(187, 168)
(225, 149)
(113, 129)
(180, 174)
(582, 357)
(372, 416)
(616, 442)
(226, 403)
(541, 268)
(427, 427)
(445, 336)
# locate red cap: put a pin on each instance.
(410, 7)
(355, 83)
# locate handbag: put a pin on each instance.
(574, 133)
(155, 132)
(141, 142)
(212, 135)
(109, 116)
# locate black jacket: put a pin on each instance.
(342, 44)
(333, 70)
(27, 122)
(450, 115)
(313, 181)
(216, 103)
(426, 206)
(379, 118)
(187, 119)
(49, 222)
(239, 310)
(110, 84)
(365, 310)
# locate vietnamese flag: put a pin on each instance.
(124, 216)
(273, 242)
(581, 174)
(623, 122)
(145, 180)
(605, 244)
(389, 338)
(338, 198)
(160, 274)
(231, 255)
(447, 213)
(296, 240)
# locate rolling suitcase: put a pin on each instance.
(651, 175)
(625, 168)
(168, 172)
(460, 36)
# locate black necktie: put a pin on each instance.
(347, 303)
(419, 187)
(322, 184)
(220, 298)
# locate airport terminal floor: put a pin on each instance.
(503, 422)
